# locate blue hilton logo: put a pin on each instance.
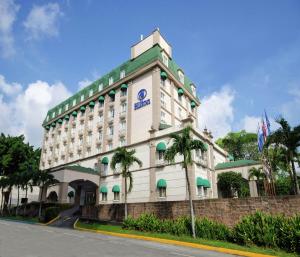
(141, 96)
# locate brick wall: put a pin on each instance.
(227, 211)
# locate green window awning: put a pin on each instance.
(105, 160)
(47, 127)
(163, 75)
(60, 121)
(112, 93)
(193, 104)
(101, 98)
(161, 147)
(67, 117)
(53, 124)
(180, 91)
(203, 182)
(116, 189)
(205, 146)
(92, 104)
(124, 87)
(74, 114)
(162, 183)
(82, 108)
(103, 189)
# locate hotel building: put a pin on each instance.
(136, 105)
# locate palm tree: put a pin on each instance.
(43, 179)
(289, 138)
(183, 144)
(3, 185)
(259, 175)
(125, 159)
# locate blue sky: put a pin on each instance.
(244, 56)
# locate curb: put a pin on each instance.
(49, 222)
(174, 242)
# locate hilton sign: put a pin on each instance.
(141, 96)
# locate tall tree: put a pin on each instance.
(241, 145)
(125, 158)
(184, 144)
(289, 138)
(259, 175)
(43, 179)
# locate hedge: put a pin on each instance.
(260, 229)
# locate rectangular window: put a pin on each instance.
(53, 115)
(122, 125)
(59, 111)
(162, 117)
(67, 107)
(101, 104)
(111, 130)
(123, 107)
(162, 99)
(100, 117)
(205, 192)
(81, 98)
(74, 102)
(200, 191)
(181, 77)
(100, 134)
(110, 146)
(122, 74)
(122, 141)
(180, 98)
(104, 197)
(123, 92)
(162, 192)
(100, 87)
(179, 112)
(111, 112)
(116, 196)
(47, 118)
(165, 59)
(90, 92)
(110, 81)
(161, 155)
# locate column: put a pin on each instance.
(152, 170)
(63, 192)
(97, 195)
(43, 195)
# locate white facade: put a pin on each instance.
(125, 119)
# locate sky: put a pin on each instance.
(243, 56)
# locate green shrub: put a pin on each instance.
(209, 229)
(275, 231)
(51, 213)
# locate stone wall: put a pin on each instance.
(227, 211)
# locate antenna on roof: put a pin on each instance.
(142, 37)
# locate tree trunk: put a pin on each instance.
(190, 202)
(18, 199)
(2, 197)
(40, 207)
(295, 175)
(125, 198)
(25, 204)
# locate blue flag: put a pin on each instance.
(268, 123)
(260, 139)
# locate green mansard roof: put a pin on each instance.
(234, 164)
(130, 66)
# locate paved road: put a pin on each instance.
(20, 239)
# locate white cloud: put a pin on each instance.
(216, 111)
(9, 89)
(8, 13)
(83, 83)
(250, 123)
(25, 113)
(43, 21)
(291, 109)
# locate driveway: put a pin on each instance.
(26, 240)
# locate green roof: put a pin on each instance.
(81, 169)
(132, 65)
(161, 183)
(116, 188)
(103, 189)
(104, 160)
(239, 163)
(164, 126)
(203, 182)
(161, 147)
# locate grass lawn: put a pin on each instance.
(21, 218)
(118, 229)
